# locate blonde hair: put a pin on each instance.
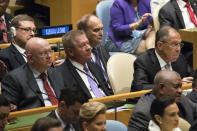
(90, 110)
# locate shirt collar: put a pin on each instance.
(181, 3)
(78, 65)
(36, 73)
(21, 50)
(161, 61)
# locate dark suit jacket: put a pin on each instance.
(8, 19)
(53, 115)
(71, 77)
(11, 57)
(170, 14)
(103, 55)
(147, 65)
(20, 87)
(141, 115)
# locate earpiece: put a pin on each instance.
(13, 31)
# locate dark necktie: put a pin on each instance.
(4, 29)
(50, 93)
(98, 62)
(191, 14)
(93, 84)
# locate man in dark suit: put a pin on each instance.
(165, 56)
(23, 29)
(5, 19)
(34, 84)
(176, 15)
(69, 104)
(165, 83)
(93, 28)
(78, 70)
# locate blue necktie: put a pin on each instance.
(93, 84)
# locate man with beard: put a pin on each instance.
(4, 112)
(165, 56)
(78, 70)
(166, 83)
(34, 84)
(5, 19)
(22, 29)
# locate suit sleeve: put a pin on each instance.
(10, 89)
(138, 122)
(141, 79)
(165, 18)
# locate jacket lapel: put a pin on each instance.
(77, 77)
(18, 57)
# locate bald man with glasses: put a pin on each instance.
(165, 56)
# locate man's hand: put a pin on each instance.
(57, 62)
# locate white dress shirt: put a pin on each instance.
(162, 62)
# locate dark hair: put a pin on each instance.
(158, 106)
(15, 22)
(73, 94)
(45, 123)
(162, 34)
(68, 38)
(3, 101)
(82, 24)
(194, 78)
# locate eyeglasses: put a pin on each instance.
(174, 45)
(28, 30)
(46, 53)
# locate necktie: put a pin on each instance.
(4, 29)
(93, 84)
(191, 14)
(98, 62)
(50, 93)
(167, 66)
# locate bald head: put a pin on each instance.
(38, 53)
(167, 83)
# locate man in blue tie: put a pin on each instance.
(93, 28)
(78, 70)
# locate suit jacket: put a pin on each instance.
(71, 77)
(170, 14)
(103, 55)
(141, 115)
(11, 57)
(53, 115)
(147, 65)
(8, 19)
(122, 14)
(20, 87)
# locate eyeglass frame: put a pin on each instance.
(174, 45)
(46, 53)
(27, 29)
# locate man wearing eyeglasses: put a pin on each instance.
(165, 56)
(22, 29)
(34, 84)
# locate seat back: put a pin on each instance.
(120, 72)
(184, 125)
(155, 16)
(112, 125)
(103, 13)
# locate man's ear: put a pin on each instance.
(159, 45)
(71, 52)
(161, 88)
(85, 125)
